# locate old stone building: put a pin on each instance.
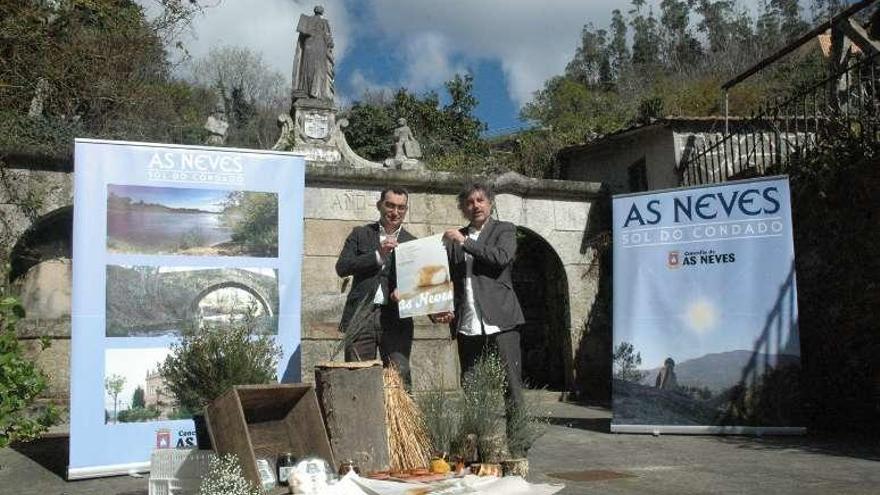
(649, 156)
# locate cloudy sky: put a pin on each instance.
(510, 46)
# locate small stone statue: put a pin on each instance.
(313, 61)
(666, 379)
(286, 141)
(36, 109)
(217, 126)
(405, 144)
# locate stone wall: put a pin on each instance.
(339, 199)
(35, 214)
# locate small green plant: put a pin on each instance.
(525, 424)
(482, 402)
(224, 477)
(20, 382)
(442, 417)
(212, 358)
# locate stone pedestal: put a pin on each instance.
(314, 129)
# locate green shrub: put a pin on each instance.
(20, 382)
(138, 414)
(212, 358)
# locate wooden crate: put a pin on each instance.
(352, 398)
(262, 421)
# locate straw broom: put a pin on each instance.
(404, 425)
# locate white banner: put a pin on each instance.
(164, 237)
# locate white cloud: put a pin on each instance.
(531, 40)
(428, 61)
(360, 83)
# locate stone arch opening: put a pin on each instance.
(40, 269)
(229, 302)
(541, 286)
(50, 237)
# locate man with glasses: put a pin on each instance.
(370, 319)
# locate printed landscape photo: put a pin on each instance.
(188, 221)
(134, 390)
(150, 301)
(734, 388)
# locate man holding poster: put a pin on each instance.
(371, 319)
(487, 312)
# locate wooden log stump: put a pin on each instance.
(352, 400)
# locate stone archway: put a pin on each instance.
(40, 265)
(540, 283)
(264, 306)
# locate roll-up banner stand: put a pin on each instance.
(705, 311)
(165, 237)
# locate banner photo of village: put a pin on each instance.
(189, 221)
(705, 317)
(134, 391)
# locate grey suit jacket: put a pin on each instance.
(358, 258)
(493, 254)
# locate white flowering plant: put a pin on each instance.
(224, 477)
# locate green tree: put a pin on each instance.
(251, 92)
(113, 386)
(253, 217)
(618, 50)
(591, 64)
(792, 25)
(106, 71)
(137, 398)
(578, 111)
(626, 363)
(450, 134)
(681, 50)
(20, 382)
(371, 125)
(646, 36)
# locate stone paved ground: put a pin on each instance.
(578, 442)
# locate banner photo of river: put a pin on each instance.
(705, 311)
(202, 222)
(171, 243)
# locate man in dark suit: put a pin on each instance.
(370, 319)
(487, 312)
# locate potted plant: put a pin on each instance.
(524, 426)
(211, 358)
(471, 426)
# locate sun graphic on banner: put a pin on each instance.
(701, 316)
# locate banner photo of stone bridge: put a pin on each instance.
(166, 240)
(705, 311)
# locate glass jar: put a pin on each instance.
(348, 465)
(285, 465)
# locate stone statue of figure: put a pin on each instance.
(217, 126)
(666, 376)
(313, 62)
(405, 144)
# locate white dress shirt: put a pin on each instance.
(471, 322)
(381, 297)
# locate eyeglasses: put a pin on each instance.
(392, 206)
